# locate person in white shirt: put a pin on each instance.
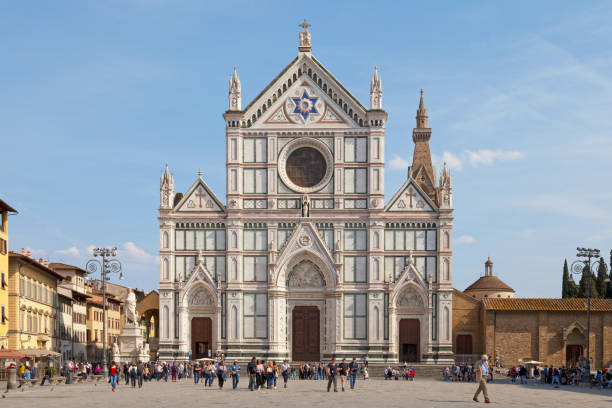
(482, 372)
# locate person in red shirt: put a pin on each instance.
(113, 376)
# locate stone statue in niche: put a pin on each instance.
(305, 275)
(410, 300)
(305, 206)
(200, 298)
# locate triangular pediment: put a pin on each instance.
(200, 275)
(410, 198)
(275, 105)
(409, 277)
(305, 239)
(304, 104)
(199, 198)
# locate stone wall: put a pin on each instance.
(467, 320)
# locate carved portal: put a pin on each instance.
(200, 298)
(410, 300)
(305, 275)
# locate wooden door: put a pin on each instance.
(464, 344)
(409, 340)
(305, 333)
(201, 337)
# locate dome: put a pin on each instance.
(489, 283)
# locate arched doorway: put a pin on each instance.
(201, 337)
(574, 348)
(306, 285)
(305, 344)
(409, 340)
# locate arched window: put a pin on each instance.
(446, 240)
(166, 322)
(376, 269)
(234, 322)
(166, 240)
(377, 322)
(234, 240)
(234, 269)
(446, 269)
(446, 324)
(165, 269)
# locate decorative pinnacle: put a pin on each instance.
(200, 172)
(304, 45)
(421, 116)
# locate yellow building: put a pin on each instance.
(33, 303)
(4, 267)
(95, 328)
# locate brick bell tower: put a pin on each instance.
(422, 169)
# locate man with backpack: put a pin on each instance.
(332, 373)
(252, 374)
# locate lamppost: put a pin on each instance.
(584, 267)
(106, 267)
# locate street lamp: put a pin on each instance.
(585, 267)
(106, 267)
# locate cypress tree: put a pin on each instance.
(602, 275)
(583, 288)
(566, 289)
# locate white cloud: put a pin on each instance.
(488, 157)
(464, 239)
(482, 157)
(399, 163)
(135, 254)
(72, 251)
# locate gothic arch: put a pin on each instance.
(408, 287)
(166, 322)
(202, 287)
(166, 240)
(166, 269)
(234, 315)
(376, 269)
(377, 322)
(327, 269)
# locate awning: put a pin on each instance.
(39, 353)
(12, 354)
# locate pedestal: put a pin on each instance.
(130, 346)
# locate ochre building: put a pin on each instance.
(491, 321)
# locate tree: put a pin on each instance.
(602, 275)
(568, 287)
(583, 288)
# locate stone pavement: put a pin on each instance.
(373, 393)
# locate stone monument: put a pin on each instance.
(130, 346)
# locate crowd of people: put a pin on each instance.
(557, 376)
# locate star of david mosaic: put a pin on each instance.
(305, 105)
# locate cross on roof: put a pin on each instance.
(304, 25)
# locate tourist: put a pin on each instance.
(113, 376)
(285, 367)
(196, 373)
(353, 368)
(221, 373)
(46, 376)
(260, 370)
(251, 367)
(235, 370)
(343, 372)
(126, 374)
(332, 372)
(132, 373)
(556, 377)
(140, 373)
(269, 375)
(482, 372)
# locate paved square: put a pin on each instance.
(373, 393)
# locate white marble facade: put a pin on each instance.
(305, 226)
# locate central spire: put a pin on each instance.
(421, 116)
(304, 38)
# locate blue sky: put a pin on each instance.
(97, 96)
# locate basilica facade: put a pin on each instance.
(304, 259)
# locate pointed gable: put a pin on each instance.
(199, 198)
(305, 242)
(410, 198)
(277, 104)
